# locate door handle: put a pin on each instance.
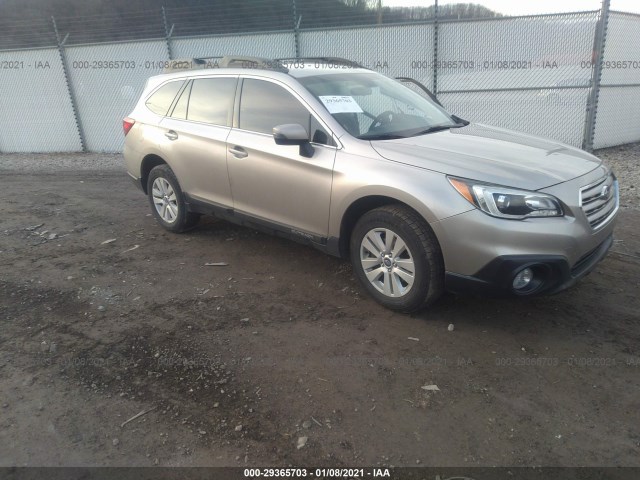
(238, 152)
(171, 135)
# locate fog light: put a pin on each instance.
(522, 279)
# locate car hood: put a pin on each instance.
(492, 155)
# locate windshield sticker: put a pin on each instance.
(340, 104)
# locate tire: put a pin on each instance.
(384, 266)
(167, 201)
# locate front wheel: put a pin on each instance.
(167, 200)
(397, 258)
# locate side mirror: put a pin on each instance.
(293, 134)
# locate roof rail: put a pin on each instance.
(228, 61)
(261, 63)
(252, 62)
(331, 60)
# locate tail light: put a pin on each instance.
(127, 124)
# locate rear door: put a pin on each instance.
(274, 182)
(195, 134)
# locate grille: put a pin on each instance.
(600, 200)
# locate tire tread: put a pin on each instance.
(188, 219)
(430, 247)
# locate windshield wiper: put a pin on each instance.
(382, 136)
(395, 136)
(438, 128)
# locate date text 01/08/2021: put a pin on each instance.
(317, 473)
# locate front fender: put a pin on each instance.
(356, 177)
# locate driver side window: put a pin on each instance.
(264, 105)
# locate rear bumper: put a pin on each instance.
(552, 273)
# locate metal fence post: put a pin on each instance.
(296, 28)
(67, 79)
(596, 77)
(167, 33)
(435, 48)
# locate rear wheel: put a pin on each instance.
(397, 258)
(167, 200)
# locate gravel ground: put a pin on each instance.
(624, 159)
(61, 162)
(279, 358)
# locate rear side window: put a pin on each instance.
(265, 105)
(211, 100)
(162, 99)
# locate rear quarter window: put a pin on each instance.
(160, 101)
(180, 109)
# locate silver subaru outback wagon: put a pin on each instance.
(359, 165)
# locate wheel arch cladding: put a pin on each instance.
(149, 163)
(361, 206)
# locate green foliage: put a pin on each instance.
(27, 23)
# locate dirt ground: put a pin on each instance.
(234, 365)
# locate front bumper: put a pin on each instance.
(552, 273)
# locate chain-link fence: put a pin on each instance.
(395, 50)
(66, 83)
(618, 116)
(37, 113)
(104, 96)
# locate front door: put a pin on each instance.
(274, 182)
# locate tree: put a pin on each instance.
(363, 4)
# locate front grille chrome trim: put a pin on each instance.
(598, 210)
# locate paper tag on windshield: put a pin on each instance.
(340, 104)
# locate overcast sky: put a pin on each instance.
(519, 7)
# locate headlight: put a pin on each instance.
(506, 202)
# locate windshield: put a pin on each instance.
(373, 107)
